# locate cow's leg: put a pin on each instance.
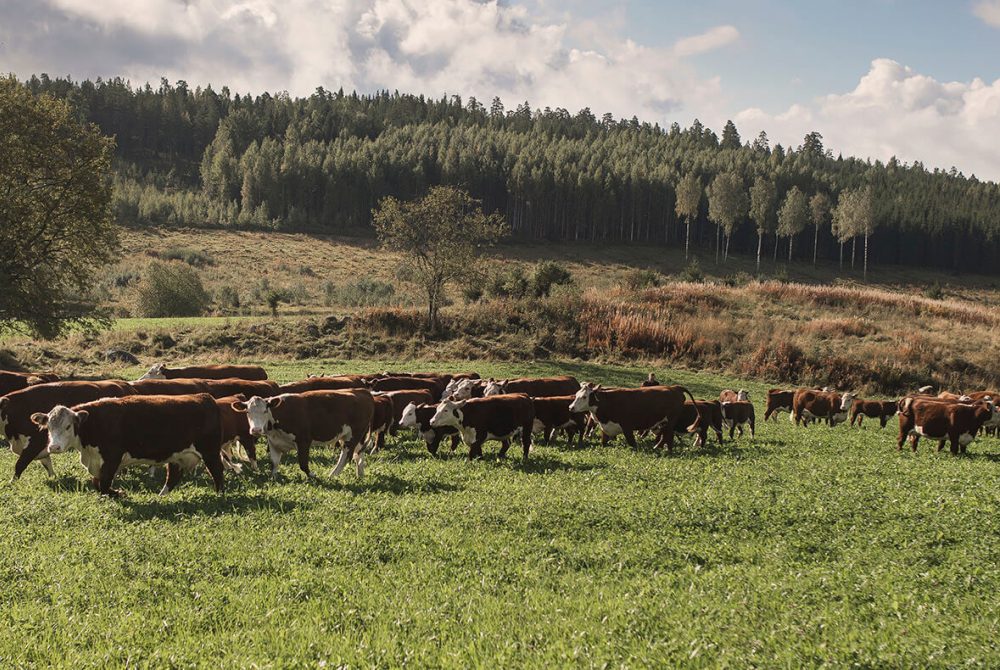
(46, 461)
(914, 440)
(504, 446)
(604, 439)
(213, 463)
(302, 454)
(476, 450)
(753, 428)
(174, 475)
(275, 461)
(630, 439)
(36, 445)
(580, 435)
(109, 468)
(732, 429)
(434, 443)
(526, 439)
(955, 446)
(455, 439)
(547, 435)
(359, 460)
(249, 444)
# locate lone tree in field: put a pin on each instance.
(854, 216)
(688, 203)
(727, 204)
(441, 236)
(819, 214)
(55, 211)
(763, 196)
(793, 217)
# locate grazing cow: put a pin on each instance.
(729, 395)
(161, 371)
(419, 418)
(116, 432)
(778, 399)
(809, 405)
(383, 419)
(543, 387)
(339, 383)
(627, 411)
(737, 414)
(651, 380)
(940, 420)
(435, 386)
(16, 408)
(882, 410)
(169, 386)
(700, 415)
(298, 421)
(552, 414)
(15, 381)
(499, 417)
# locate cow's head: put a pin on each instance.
(463, 389)
(155, 372)
(258, 411)
(847, 400)
(743, 395)
(586, 398)
(494, 387)
(409, 418)
(449, 413)
(63, 425)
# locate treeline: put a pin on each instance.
(205, 158)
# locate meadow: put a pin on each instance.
(802, 547)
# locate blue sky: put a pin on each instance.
(915, 79)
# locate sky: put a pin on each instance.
(914, 79)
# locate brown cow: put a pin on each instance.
(220, 388)
(542, 387)
(116, 432)
(778, 399)
(700, 415)
(499, 417)
(235, 433)
(383, 419)
(297, 421)
(552, 414)
(161, 371)
(942, 420)
(737, 414)
(882, 410)
(419, 418)
(169, 386)
(729, 395)
(339, 383)
(15, 381)
(16, 408)
(809, 405)
(435, 386)
(627, 411)
(400, 399)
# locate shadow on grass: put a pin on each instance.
(176, 509)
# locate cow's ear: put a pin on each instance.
(239, 406)
(81, 416)
(39, 419)
(275, 401)
(3, 401)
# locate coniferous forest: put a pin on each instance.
(200, 157)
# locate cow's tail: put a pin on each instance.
(697, 410)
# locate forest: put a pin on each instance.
(205, 158)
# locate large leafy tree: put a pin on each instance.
(727, 204)
(855, 217)
(763, 196)
(794, 216)
(56, 230)
(440, 236)
(689, 193)
(819, 214)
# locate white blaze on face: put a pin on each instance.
(449, 413)
(463, 390)
(155, 372)
(743, 396)
(449, 390)
(259, 415)
(493, 388)
(847, 400)
(61, 423)
(581, 402)
(409, 418)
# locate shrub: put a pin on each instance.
(692, 272)
(169, 289)
(229, 297)
(547, 275)
(193, 257)
(510, 284)
(274, 297)
(472, 293)
(362, 293)
(637, 280)
(935, 291)
(738, 279)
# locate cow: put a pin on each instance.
(383, 419)
(627, 411)
(940, 420)
(400, 399)
(543, 387)
(882, 410)
(697, 418)
(463, 389)
(552, 414)
(957, 397)
(112, 433)
(736, 414)
(16, 408)
(729, 395)
(169, 386)
(809, 405)
(235, 433)
(651, 380)
(297, 421)
(220, 388)
(435, 386)
(15, 381)
(500, 417)
(778, 399)
(161, 371)
(338, 383)
(419, 418)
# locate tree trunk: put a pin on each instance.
(718, 240)
(791, 238)
(725, 257)
(687, 239)
(776, 238)
(760, 243)
(841, 256)
(854, 245)
(815, 244)
(866, 256)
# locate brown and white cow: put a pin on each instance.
(463, 389)
(940, 420)
(220, 388)
(235, 435)
(729, 395)
(323, 383)
(778, 399)
(882, 410)
(628, 411)
(400, 399)
(736, 414)
(542, 387)
(698, 418)
(809, 405)
(434, 385)
(383, 419)
(552, 414)
(297, 421)
(15, 381)
(162, 371)
(418, 417)
(16, 409)
(500, 417)
(111, 433)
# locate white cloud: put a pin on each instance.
(709, 40)
(988, 11)
(895, 111)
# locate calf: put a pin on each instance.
(161, 371)
(116, 432)
(737, 414)
(875, 409)
(941, 420)
(339, 383)
(16, 409)
(500, 417)
(697, 418)
(544, 387)
(809, 405)
(778, 399)
(729, 395)
(298, 421)
(419, 418)
(552, 414)
(627, 411)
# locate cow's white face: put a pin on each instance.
(847, 400)
(62, 423)
(584, 400)
(743, 396)
(409, 418)
(449, 390)
(155, 372)
(463, 390)
(493, 387)
(449, 413)
(258, 411)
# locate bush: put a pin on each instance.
(363, 293)
(472, 293)
(169, 289)
(692, 272)
(935, 291)
(193, 257)
(510, 284)
(636, 280)
(738, 279)
(547, 275)
(228, 297)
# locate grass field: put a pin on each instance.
(802, 548)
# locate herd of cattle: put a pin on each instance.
(180, 417)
